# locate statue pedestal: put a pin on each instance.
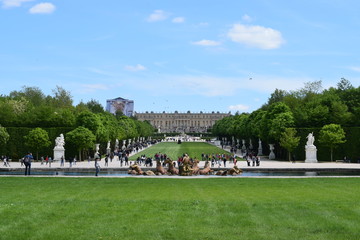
(108, 151)
(310, 153)
(58, 153)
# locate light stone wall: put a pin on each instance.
(181, 122)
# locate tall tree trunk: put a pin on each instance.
(331, 150)
(80, 155)
(289, 156)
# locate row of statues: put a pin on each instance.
(310, 148)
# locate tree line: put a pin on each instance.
(286, 112)
(87, 123)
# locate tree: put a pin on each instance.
(94, 106)
(275, 120)
(277, 96)
(344, 85)
(32, 94)
(37, 139)
(289, 141)
(332, 135)
(82, 138)
(62, 98)
(93, 122)
(4, 136)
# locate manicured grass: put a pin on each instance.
(147, 208)
(174, 150)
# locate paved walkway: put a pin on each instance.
(264, 165)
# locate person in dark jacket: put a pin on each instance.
(27, 162)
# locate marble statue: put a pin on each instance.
(116, 144)
(311, 139)
(97, 148)
(59, 150)
(310, 149)
(108, 149)
(272, 154)
(60, 141)
(260, 148)
(243, 145)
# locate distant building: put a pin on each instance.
(181, 122)
(126, 106)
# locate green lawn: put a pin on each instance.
(147, 208)
(174, 150)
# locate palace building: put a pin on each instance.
(181, 122)
(126, 106)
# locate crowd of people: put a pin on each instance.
(216, 160)
(5, 160)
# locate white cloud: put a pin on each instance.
(356, 69)
(89, 88)
(207, 43)
(256, 36)
(246, 18)
(135, 68)
(158, 15)
(42, 8)
(100, 72)
(13, 3)
(212, 86)
(178, 20)
(239, 107)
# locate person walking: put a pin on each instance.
(6, 161)
(97, 166)
(27, 162)
(107, 161)
(62, 161)
(126, 160)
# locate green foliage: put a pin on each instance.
(254, 122)
(82, 138)
(128, 126)
(308, 108)
(332, 135)
(275, 121)
(224, 127)
(37, 139)
(277, 96)
(93, 122)
(344, 85)
(62, 98)
(289, 141)
(94, 106)
(24, 110)
(4, 135)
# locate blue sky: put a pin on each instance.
(227, 55)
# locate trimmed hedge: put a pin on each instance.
(350, 149)
(16, 148)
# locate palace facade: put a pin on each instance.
(126, 106)
(181, 122)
